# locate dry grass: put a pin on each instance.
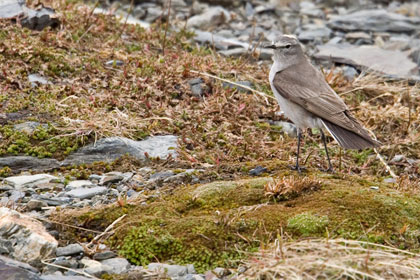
(332, 259)
(292, 186)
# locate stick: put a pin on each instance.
(236, 84)
(69, 269)
(106, 230)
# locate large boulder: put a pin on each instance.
(23, 238)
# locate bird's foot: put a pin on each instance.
(298, 168)
(328, 170)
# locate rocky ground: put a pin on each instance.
(128, 153)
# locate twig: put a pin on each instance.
(381, 159)
(67, 225)
(69, 269)
(106, 230)
(236, 84)
(166, 28)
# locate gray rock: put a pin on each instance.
(69, 250)
(32, 19)
(55, 201)
(31, 242)
(14, 270)
(213, 16)
(265, 54)
(243, 83)
(350, 73)
(86, 193)
(115, 177)
(16, 195)
(160, 176)
(375, 20)
(118, 265)
(309, 9)
(198, 87)
(318, 33)
(371, 58)
(111, 63)
(109, 149)
(35, 204)
(153, 13)
(28, 181)
(98, 270)
(122, 17)
(104, 255)
(22, 163)
(258, 170)
(171, 270)
(78, 184)
(219, 42)
(236, 52)
(36, 79)
(39, 19)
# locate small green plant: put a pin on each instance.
(307, 223)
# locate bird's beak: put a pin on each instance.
(269, 46)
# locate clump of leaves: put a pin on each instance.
(291, 187)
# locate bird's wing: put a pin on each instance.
(305, 85)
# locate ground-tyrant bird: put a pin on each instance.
(309, 102)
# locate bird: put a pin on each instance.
(309, 102)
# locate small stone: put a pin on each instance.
(36, 79)
(236, 52)
(198, 87)
(35, 204)
(211, 17)
(397, 158)
(104, 255)
(111, 178)
(28, 180)
(390, 180)
(161, 176)
(375, 188)
(72, 249)
(239, 88)
(350, 73)
(118, 265)
(16, 195)
(86, 193)
(258, 170)
(114, 63)
(171, 270)
(78, 184)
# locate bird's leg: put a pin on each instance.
(297, 166)
(330, 168)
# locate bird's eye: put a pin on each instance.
(287, 46)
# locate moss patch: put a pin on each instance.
(211, 224)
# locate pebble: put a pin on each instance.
(85, 193)
(100, 256)
(69, 250)
(258, 170)
(118, 265)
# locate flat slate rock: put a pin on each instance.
(377, 20)
(22, 163)
(371, 58)
(14, 270)
(112, 148)
(85, 193)
(29, 180)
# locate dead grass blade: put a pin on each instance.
(332, 259)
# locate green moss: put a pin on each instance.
(307, 223)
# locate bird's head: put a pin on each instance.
(287, 49)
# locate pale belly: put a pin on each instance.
(298, 115)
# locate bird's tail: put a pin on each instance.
(348, 139)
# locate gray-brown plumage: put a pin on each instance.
(308, 101)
